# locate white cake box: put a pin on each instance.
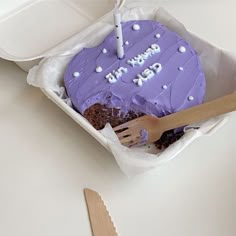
(57, 45)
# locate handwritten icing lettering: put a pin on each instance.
(116, 74)
(156, 67)
(132, 62)
(111, 78)
(140, 59)
(147, 74)
(139, 80)
(156, 48)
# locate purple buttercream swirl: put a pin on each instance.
(179, 85)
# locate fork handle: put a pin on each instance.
(201, 112)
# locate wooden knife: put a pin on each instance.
(100, 219)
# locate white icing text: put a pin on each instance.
(141, 58)
(116, 74)
(147, 74)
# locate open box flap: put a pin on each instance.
(31, 29)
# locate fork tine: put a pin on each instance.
(124, 133)
(125, 125)
(129, 139)
(135, 143)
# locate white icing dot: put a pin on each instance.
(136, 27)
(104, 50)
(126, 42)
(76, 74)
(181, 68)
(164, 86)
(99, 69)
(157, 36)
(182, 49)
(190, 98)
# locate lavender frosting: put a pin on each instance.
(178, 85)
(143, 136)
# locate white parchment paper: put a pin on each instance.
(219, 67)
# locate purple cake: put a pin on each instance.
(159, 75)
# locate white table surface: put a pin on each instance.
(46, 160)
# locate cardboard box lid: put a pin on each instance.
(29, 28)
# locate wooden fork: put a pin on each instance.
(131, 133)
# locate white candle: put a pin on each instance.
(119, 35)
